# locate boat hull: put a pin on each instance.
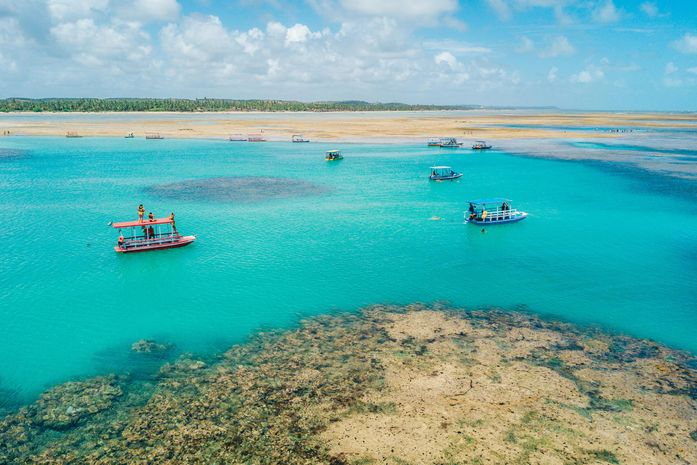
(181, 242)
(445, 178)
(487, 222)
(481, 148)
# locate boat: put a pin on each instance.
(72, 135)
(147, 235)
(443, 173)
(237, 138)
(492, 211)
(130, 135)
(255, 138)
(480, 145)
(299, 138)
(153, 135)
(449, 142)
(332, 155)
(433, 142)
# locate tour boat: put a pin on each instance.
(480, 145)
(299, 138)
(255, 138)
(332, 155)
(153, 136)
(449, 142)
(130, 135)
(433, 142)
(237, 138)
(146, 235)
(443, 173)
(492, 211)
(72, 134)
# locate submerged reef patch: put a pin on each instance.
(248, 189)
(12, 154)
(397, 385)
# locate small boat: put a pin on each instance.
(130, 135)
(153, 136)
(72, 135)
(255, 138)
(237, 138)
(332, 155)
(299, 138)
(147, 235)
(480, 145)
(449, 142)
(443, 173)
(492, 211)
(433, 142)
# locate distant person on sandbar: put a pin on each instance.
(141, 212)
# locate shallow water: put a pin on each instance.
(600, 246)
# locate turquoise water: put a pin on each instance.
(600, 246)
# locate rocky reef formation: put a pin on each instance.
(248, 189)
(151, 348)
(398, 385)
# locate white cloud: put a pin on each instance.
(501, 8)
(671, 68)
(408, 10)
(558, 46)
(650, 9)
(148, 10)
(69, 10)
(446, 58)
(692, 70)
(526, 45)
(607, 13)
(299, 34)
(552, 74)
(686, 44)
(588, 75)
(461, 48)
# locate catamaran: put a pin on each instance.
(145, 235)
(492, 211)
(449, 142)
(299, 138)
(443, 173)
(480, 145)
(332, 155)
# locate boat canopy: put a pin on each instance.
(440, 167)
(133, 224)
(490, 201)
(333, 151)
(481, 142)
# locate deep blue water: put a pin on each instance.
(600, 246)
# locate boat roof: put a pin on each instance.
(482, 141)
(440, 167)
(130, 224)
(489, 200)
(335, 150)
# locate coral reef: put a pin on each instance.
(150, 347)
(398, 385)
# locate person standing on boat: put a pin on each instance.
(151, 217)
(151, 233)
(174, 226)
(141, 212)
(121, 240)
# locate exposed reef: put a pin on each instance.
(238, 189)
(397, 385)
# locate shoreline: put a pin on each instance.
(420, 376)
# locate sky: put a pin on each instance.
(576, 54)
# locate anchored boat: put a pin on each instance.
(492, 211)
(146, 235)
(332, 155)
(480, 145)
(299, 138)
(443, 173)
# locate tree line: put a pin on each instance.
(203, 105)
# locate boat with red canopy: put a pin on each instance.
(145, 235)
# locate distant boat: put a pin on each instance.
(480, 145)
(449, 142)
(299, 138)
(443, 173)
(255, 138)
(72, 134)
(237, 138)
(492, 211)
(130, 135)
(433, 142)
(146, 235)
(153, 135)
(332, 155)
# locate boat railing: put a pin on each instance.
(498, 214)
(140, 241)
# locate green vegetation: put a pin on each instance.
(605, 456)
(204, 105)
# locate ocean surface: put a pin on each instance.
(602, 245)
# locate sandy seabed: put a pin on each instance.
(387, 385)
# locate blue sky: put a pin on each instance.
(586, 54)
